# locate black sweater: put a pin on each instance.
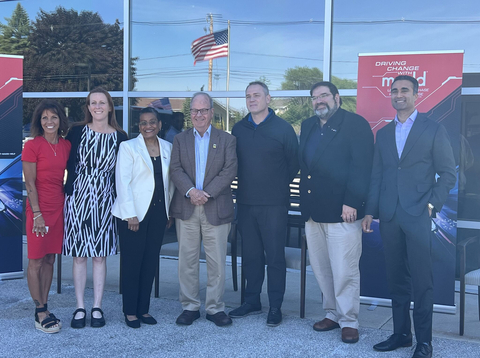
(267, 161)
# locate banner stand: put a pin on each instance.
(11, 186)
(439, 75)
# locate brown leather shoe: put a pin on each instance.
(220, 319)
(325, 325)
(349, 335)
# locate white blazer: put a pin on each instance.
(134, 178)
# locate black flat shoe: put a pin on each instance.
(78, 323)
(97, 322)
(148, 320)
(132, 324)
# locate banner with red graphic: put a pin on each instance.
(11, 199)
(439, 75)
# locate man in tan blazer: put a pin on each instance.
(202, 167)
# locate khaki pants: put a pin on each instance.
(190, 232)
(334, 252)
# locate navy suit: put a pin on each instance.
(400, 191)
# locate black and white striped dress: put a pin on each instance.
(90, 229)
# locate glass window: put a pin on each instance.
(266, 39)
(68, 45)
(74, 109)
(412, 26)
(469, 176)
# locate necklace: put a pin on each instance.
(54, 147)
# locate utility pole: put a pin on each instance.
(210, 62)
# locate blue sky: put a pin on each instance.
(165, 62)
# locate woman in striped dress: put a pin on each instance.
(90, 229)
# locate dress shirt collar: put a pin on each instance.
(412, 118)
(209, 130)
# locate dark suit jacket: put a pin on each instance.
(410, 180)
(221, 169)
(340, 170)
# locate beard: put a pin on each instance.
(325, 112)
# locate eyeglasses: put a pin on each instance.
(203, 111)
(322, 96)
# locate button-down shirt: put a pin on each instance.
(402, 130)
(201, 154)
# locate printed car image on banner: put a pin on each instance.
(439, 75)
(11, 199)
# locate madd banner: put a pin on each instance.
(439, 75)
(11, 200)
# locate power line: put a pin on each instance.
(307, 22)
(261, 54)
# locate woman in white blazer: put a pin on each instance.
(144, 192)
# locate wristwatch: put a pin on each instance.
(430, 206)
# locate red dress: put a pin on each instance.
(51, 197)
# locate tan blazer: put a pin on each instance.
(134, 178)
(221, 169)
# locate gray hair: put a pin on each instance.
(264, 86)
(203, 94)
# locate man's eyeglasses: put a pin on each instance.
(203, 111)
(322, 96)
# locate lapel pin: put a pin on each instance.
(214, 146)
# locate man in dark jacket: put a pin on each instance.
(336, 153)
(267, 151)
(413, 172)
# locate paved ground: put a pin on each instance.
(247, 337)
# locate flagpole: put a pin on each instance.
(228, 78)
(210, 62)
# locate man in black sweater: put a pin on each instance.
(267, 151)
(336, 154)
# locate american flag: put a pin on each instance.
(210, 46)
(162, 103)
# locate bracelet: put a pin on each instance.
(36, 217)
(38, 211)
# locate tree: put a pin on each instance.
(303, 78)
(265, 80)
(14, 34)
(71, 51)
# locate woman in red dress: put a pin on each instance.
(44, 161)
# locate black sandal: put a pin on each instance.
(97, 322)
(79, 323)
(48, 325)
(53, 316)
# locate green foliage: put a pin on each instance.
(14, 34)
(236, 116)
(303, 78)
(265, 80)
(296, 113)
(71, 51)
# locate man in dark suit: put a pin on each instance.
(409, 153)
(203, 165)
(336, 152)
